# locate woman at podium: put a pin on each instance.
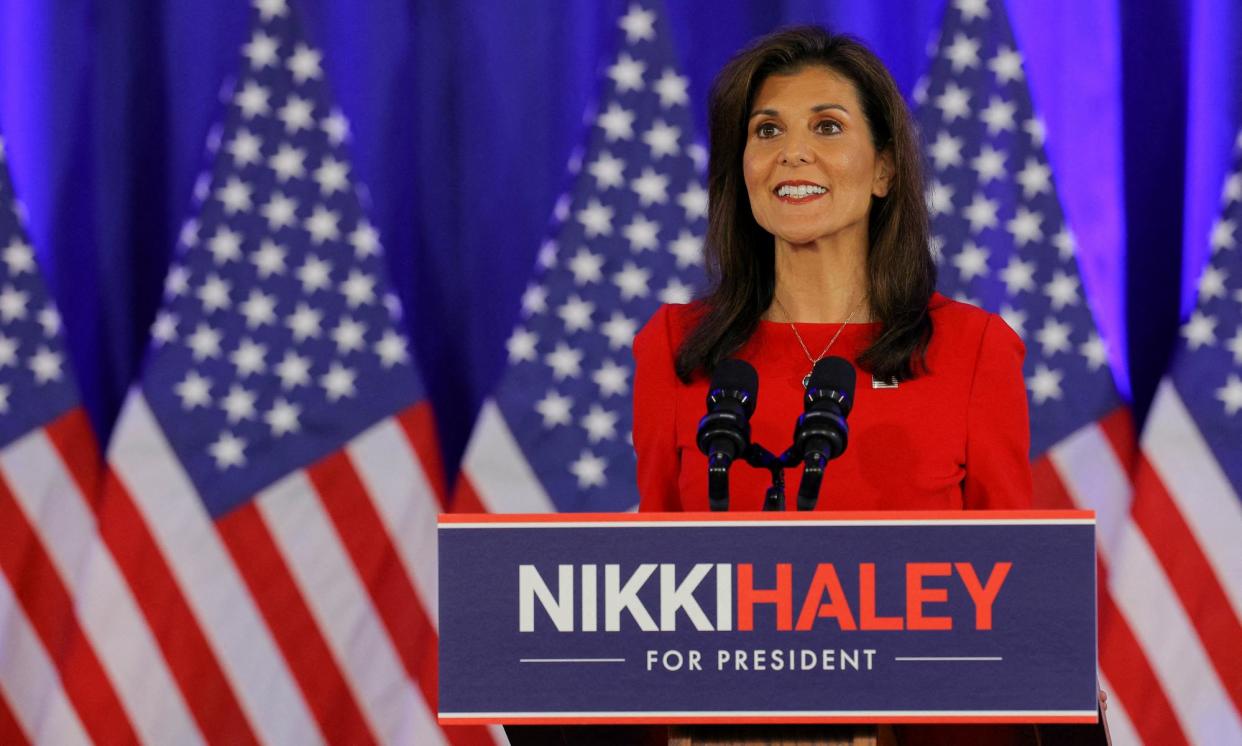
(818, 245)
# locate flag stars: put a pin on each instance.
(288, 163)
(946, 151)
(194, 391)
(989, 164)
(1232, 191)
(349, 335)
(565, 361)
(322, 225)
(269, 9)
(1062, 290)
(46, 365)
(304, 63)
(8, 351)
(939, 198)
(332, 176)
(675, 291)
(1094, 351)
(596, 219)
(1223, 235)
(315, 274)
(972, 9)
(963, 53)
(1065, 244)
(694, 201)
(589, 469)
(617, 123)
(632, 281)
(282, 418)
(1053, 337)
(608, 171)
(600, 424)
(981, 213)
(954, 103)
(620, 330)
(638, 24)
(358, 289)
(204, 343)
(244, 148)
(304, 322)
(576, 314)
(662, 139)
(19, 257)
(1234, 345)
(1212, 283)
(178, 281)
(225, 246)
(688, 248)
(672, 89)
(338, 382)
(261, 50)
(612, 379)
(214, 294)
(248, 358)
(228, 451)
(1200, 330)
(1025, 226)
(971, 262)
(252, 99)
(13, 303)
(1006, 65)
(534, 300)
(586, 267)
(365, 240)
(4, 391)
(391, 349)
(1230, 395)
(651, 188)
(643, 234)
(1035, 178)
(554, 409)
(279, 211)
(521, 346)
(1034, 128)
(259, 309)
(1045, 384)
(336, 127)
(627, 73)
(238, 405)
(293, 370)
(998, 116)
(1015, 319)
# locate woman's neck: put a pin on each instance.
(820, 283)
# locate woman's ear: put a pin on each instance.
(883, 173)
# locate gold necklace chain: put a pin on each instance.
(806, 380)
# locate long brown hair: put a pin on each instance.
(740, 254)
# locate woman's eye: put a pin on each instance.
(767, 129)
(829, 127)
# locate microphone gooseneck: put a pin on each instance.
(821, 433)
(724, 432)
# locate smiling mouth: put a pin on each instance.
(796, 193)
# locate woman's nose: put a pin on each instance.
(796, 151)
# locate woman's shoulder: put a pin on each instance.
(963, 325)
(671, 322)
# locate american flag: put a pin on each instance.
(1005, 246)
(267, 569)
(555, 435)
(54, 656)
(1186, 499)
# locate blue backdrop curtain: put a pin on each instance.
(464, 116)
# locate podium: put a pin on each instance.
(817, 628)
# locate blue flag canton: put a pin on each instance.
(35, 382)
(997, 221)
(1208, 367)
(278, 340)
(630, 237)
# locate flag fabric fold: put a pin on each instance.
(1004, 245)
(269, 501)
(556, 433)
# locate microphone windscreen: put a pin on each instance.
(738, 375)
(835, 374)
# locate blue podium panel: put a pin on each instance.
(822, 617)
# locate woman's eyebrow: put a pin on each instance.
(817, 108)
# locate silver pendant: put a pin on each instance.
(806, 381)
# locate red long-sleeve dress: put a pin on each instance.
(955, 437)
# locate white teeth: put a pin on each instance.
(802, 190)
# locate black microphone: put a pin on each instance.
(724, 432)
(822, 433)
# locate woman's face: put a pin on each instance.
(810, 166)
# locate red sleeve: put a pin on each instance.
(998, 430)
(655, 415)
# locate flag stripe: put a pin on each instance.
(42, 594)
(1191, 576)
(499, 473)
(73, 438)
(465, 497)
(419, 424)
(312, 550)
(10, 731)
(193, 595)
(104, 606)
(384, 458)
(1089, 468)
(29, 681)
(317, 672)
(1194, 480)
(1121, 657)
(1120, 726)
